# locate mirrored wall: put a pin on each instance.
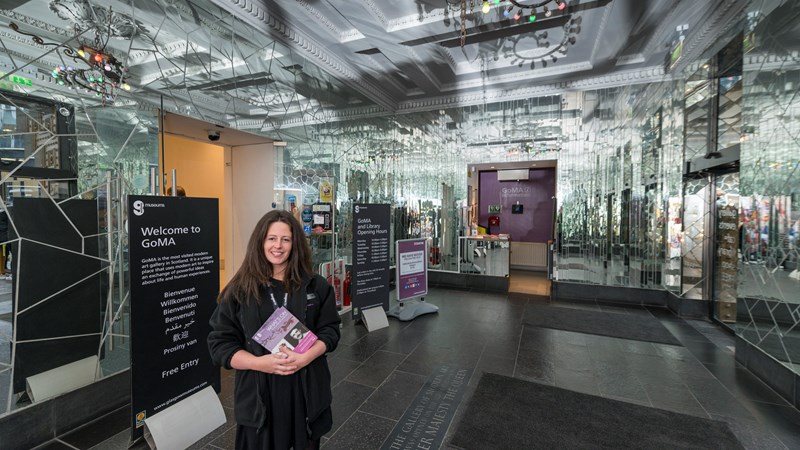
(80, 90)
(768, 312)
(416, 163)
(619, 172)
(78, 137)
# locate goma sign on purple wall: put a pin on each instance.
(526, 206)
(412, 269)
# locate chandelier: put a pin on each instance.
(526, 10)
(95, 70)
(516, 9)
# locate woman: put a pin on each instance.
(282, 400)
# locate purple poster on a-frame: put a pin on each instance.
(412, 269)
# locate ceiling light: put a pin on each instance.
(530, 10)
(98, 72)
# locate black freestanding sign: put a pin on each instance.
(370, 285)
(174, 269)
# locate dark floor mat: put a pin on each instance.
(637, 328)
(508, 413)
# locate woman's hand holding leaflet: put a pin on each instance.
(278, 364)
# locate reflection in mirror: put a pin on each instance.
(388, 160)
(696, 216)
(6, 304)
(767, 311)
(27, 133)
(479, 256)
(614, 175)
(727, 246)
(698, 95)
(97, 142)
(620, 152)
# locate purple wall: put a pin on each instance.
(535, 224)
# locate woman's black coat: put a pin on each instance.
(233, 325)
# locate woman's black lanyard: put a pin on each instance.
(275, 303)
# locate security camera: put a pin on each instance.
(213, 135)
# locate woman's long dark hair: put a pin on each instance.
(256, 270)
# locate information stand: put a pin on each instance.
(62, 379)
(183, 424)
(411, 280)
(174, 271)
(374, 318)
(370, 286)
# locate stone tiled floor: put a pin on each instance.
(377, 375)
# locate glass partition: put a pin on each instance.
(484, 256)
(767, 313)
(76, 138)
(617, 173)
(70, 232)
(621, 153)
(417, 164)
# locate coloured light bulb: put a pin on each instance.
(486, 8)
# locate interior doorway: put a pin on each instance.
(235, 167)
(528, 282)
(199, 171)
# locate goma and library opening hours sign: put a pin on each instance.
(174, 270)
(412, 269)
(370, 286)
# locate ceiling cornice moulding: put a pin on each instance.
(341, 36)
(363, 112)
(433, 16)
(36, 23)
(376, 13)
(647, 75)
(519, 77)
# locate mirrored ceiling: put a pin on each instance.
(205, 60)
(271, 65)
